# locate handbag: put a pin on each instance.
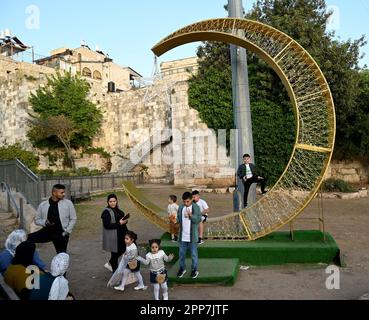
(132, 264)
(160, 278)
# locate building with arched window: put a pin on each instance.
(86, 72)
(97, 75)
(94, 65)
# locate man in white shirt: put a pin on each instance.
(188, 217)
(204, 212)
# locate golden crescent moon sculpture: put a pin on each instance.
(315, 126)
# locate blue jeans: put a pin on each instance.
(183, 247)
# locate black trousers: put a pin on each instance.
(247, 184)
(48, 235)
(114, 259)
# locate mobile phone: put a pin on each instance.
(126, 216)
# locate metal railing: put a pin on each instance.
(80, 187)
(34, 189)
(11, 202)
(21, 179)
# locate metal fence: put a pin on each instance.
(37, 188)
(21, 179)
(80, 187)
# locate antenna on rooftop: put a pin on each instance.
(7, 33)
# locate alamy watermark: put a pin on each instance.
(334, 22)
(333, 281)
(33, 281)
(33, 21)
(189, 147)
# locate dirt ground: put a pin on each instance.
(346, 220)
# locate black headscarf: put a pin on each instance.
(24, 254)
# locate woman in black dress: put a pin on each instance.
(114, 231)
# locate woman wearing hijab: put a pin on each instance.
(11, 243)
(16, 276)
(114, 230)
(60, 288)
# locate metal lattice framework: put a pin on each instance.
(315, 123)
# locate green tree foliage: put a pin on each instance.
(60, 127)
(66, 95)
(306, 21)
(17, 152)
(359, 120)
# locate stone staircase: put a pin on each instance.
(128, 166)
(8, 223)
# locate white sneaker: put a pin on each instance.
(140, 288)
(119, 288)
(108, 266)
(165, 296)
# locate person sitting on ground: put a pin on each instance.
(18, 274)
(6, 256)
(172, 215)
(204, 212)
(60, 286)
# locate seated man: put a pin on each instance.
(247, 173)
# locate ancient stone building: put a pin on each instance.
(168, 138)
(145, 124)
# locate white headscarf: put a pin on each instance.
(14, 239)
(59, 266)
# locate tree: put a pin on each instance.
(65, 99)
(55, 126)
(360, 119)
(306, 21)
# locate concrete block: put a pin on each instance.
(349, 196)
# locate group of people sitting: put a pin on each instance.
(25, 272)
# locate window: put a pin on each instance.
(86, 72)
(97, 75)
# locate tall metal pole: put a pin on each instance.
(241, 100)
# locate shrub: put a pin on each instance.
(336, 185)
(99, 151)
(16, 152)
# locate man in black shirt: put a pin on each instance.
(57, 216)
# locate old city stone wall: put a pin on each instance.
(128, 112)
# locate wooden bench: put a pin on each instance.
(7, 292)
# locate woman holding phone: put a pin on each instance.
(114, 230)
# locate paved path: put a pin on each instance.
(346, 220)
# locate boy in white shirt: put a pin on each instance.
(188, 217)
(204, 211)
(172, 215)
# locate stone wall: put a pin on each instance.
(200, 159)
(350, 171)
(130, 119)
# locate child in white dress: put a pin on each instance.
(128, 264)
(158, 273)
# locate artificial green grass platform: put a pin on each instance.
(211, 271)
(274, 249)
